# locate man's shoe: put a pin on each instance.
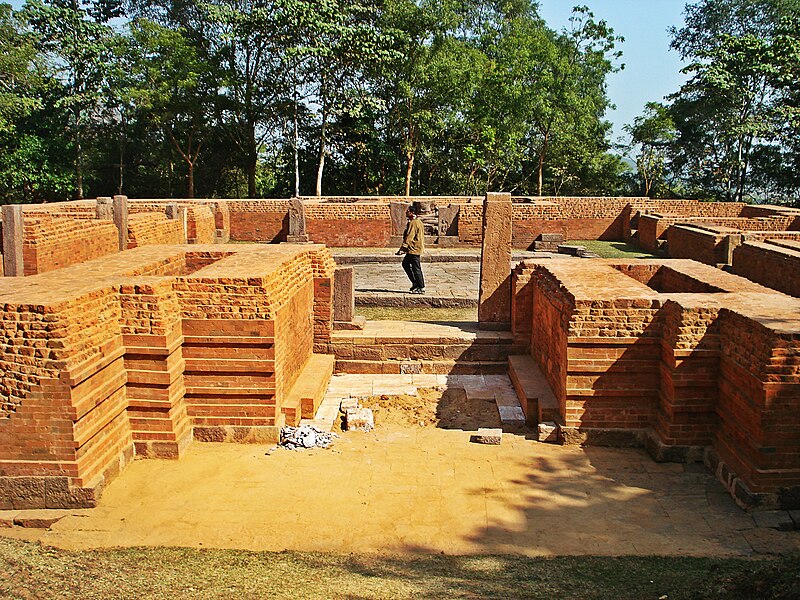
(413, 290)
(418, 291)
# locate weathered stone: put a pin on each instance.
(489, 436)
(360, 419)
(397, 214)
(104, 210)
(548, 432)
(774, 519)
(297, 222)
(448, 220)
(13, 232)
(494, 304)
(120, 205)
(344, 292)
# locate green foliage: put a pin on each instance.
(729, 133)
(277, 97)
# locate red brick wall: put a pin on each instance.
(352, 225)
(200, 225)
(688, 375)
(258, 220)
(697, 244)
(53, 243)
(153, 228)
(769, 265)
(759, 434)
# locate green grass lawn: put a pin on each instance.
(613, 249)
(29, 570)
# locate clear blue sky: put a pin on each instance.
(652, 70)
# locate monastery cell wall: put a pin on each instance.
(770, 264)
(132, 354)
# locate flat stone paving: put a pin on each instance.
(398, 490)
(452, 276)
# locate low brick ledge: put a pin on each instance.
(307, 393)
(534, 393)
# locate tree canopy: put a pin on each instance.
(731, 131)
(233, 98)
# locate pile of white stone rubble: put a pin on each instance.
(306, 436)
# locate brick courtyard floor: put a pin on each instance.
(406, 489)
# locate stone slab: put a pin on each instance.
(488, 436)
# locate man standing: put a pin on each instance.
(413, 246)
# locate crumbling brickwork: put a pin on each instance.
(128, 354)
(676, 355)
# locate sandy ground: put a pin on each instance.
(418, 484)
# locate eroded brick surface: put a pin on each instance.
(702, 358)
(124, 355)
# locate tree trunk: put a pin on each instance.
(322, 152)
(541, 165)
(78, 163)
(296, 153)
(190, 178)
(409, 168)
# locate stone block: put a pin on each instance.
(13, 231)
(489, 436)
(495, 277)
(448, 221)
(104, 210)
(359, 419)
(774, 519)
(344, 292)
(120, 204)
(548, 432)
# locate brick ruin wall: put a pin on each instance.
(130, 354)
(149, 228)
(686, 359)
(55, 242)
(770, 264)
(350, 225)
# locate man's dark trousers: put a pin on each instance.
(413, 269)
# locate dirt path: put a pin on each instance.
(411, 488)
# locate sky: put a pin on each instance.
(652, 70)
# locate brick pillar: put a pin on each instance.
(494, 299)
(344, 302)
(121, 220)
(105, 208)
(13, 231)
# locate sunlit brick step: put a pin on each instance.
(632, 394)
(221, 383)
(307, 393)
(429, 367)
(226, 365)
(535, 395)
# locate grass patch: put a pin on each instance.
(30, 570)
(407, 313)
(613, 249)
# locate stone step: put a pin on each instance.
(430, 367)
(537, 399)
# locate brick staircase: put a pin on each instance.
(396, 347)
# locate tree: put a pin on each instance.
(729, 116)
(652, 133)
(173, 88)
(79, 46)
